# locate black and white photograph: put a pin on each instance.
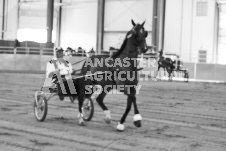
(113, 75)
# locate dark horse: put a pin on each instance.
(167, 64)
(118, 70)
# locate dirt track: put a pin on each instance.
(177, 116)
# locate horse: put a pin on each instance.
(167, 64)
(115, 74)
(170, 66)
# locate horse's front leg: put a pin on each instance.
(120, 126)
(137, 117)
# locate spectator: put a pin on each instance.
(69, 51)
(178, 63)
(91, 52)
(17, 43)
(81, 52)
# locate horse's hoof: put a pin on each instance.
(120, 127)
(107, 116)
(108, 121)
(137, 120)
(137, 123)
(81, 122)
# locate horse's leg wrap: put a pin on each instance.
(120, 127)
(81, 121)
(107, 116)
(137, 120)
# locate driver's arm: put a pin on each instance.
(50, 70)
(70, 68)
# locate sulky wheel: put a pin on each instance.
(40, 107)
(87, 109)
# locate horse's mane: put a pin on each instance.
(122, 47)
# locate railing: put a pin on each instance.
(49, 51)
(32, 51)
(26, 50)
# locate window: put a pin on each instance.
(202, 56)
(201, 9)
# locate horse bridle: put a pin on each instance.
(131, 33)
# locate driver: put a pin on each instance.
(58, 64)
(178, 63)
(58, 69)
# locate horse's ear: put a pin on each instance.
(133, 23)
(143, 24)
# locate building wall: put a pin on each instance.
(203, 32)
(173, 16)
(33, 21)
(11, 19)
(187, 17)
(1, 18)
(186, 33)
(79, 25)
(222, 35)
(117, 19)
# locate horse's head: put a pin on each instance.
(135, 41)
(139, 34)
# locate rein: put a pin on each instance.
(79, 61)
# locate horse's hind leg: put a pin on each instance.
(81, 97)
(100, 100)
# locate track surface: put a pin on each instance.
(177, 116)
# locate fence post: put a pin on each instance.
(195, 69)
(28, 49)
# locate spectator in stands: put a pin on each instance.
(17, 43)
(91, 52)
(69, 51)
(81, 52)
